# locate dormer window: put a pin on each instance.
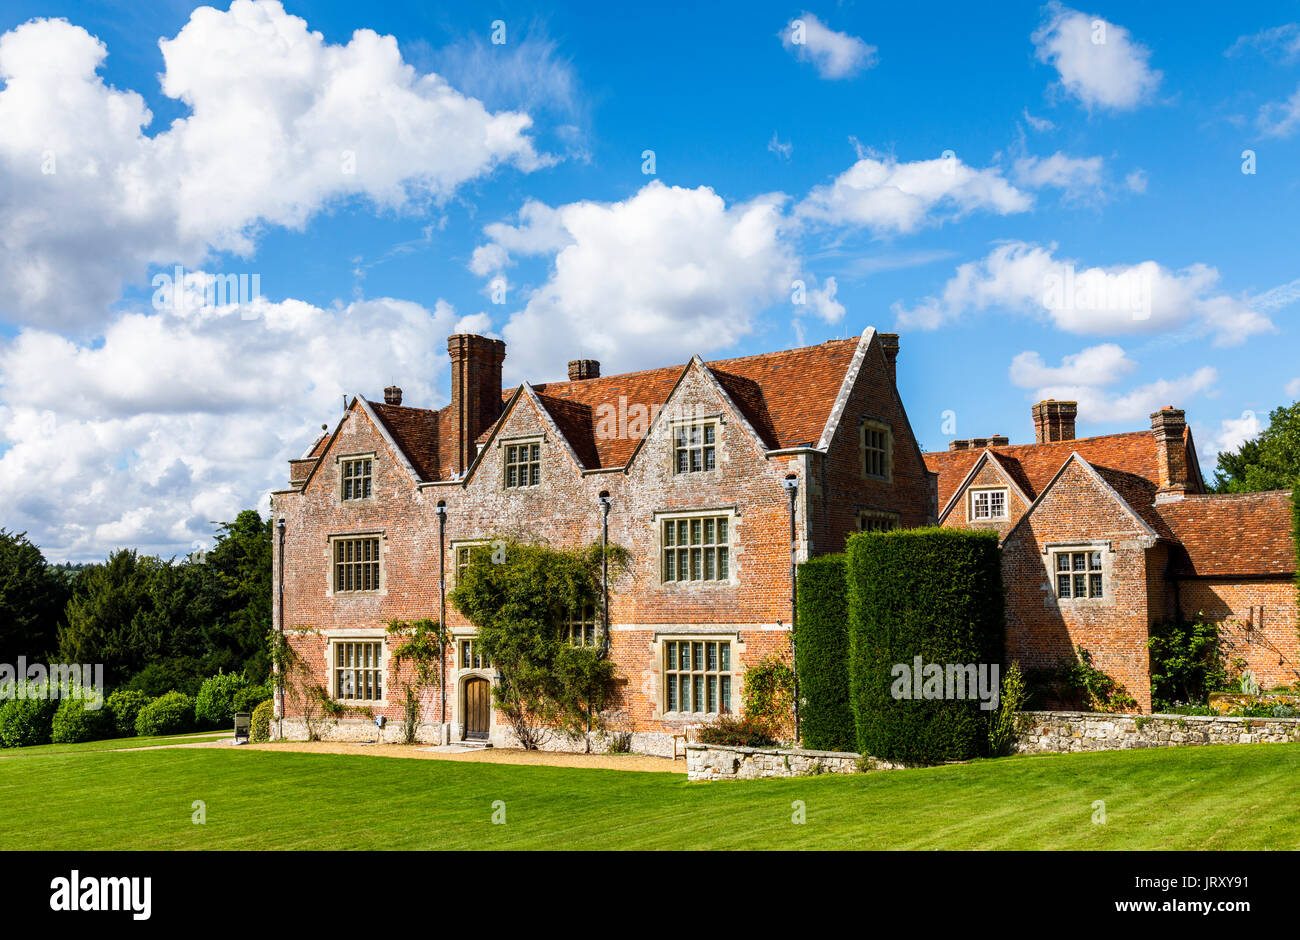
(694, 447)
(356, 477)
(523, 465)
(988, 504)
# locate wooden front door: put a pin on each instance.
(478, 698)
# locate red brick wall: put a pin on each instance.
(752, 609)
(1042, 629)
(1258, 623)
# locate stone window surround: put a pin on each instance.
(690, 633)
(382, 590)
(873, 513)
(660, 516)
(516, 440)
(1049, 552)
(455, 545)
(339, 460)
(878, 424)
(970, 503)
(718, 420)
(358, 635)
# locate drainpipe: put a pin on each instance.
(279, 685)
(604, 571)
(442, 620)
(791, 484)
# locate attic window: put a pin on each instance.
(1079, 574)
(876, 444)
(694, 447)
(356, 478)
(523, 465)
(988, 504)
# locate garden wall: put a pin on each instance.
(1088, 731)
(721, 762)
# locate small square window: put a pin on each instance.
(1079, 574)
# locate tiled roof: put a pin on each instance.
(786, 396)
(1232, 535)
(417, 432)
(1033, 465)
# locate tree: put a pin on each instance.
(144, 619)
(241, 563)
(32, 595)
(1269, 462)
(518, 597)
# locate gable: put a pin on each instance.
(1079, 501)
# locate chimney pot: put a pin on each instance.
(1054, 420)
(580, 369)
(392, 395)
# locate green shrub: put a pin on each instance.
(74, 722)
(172, 713)
(27, 720)
(1188, 661)
(769, 696)
(261, 723)
(1003, 728)
(735, 731)
(222, 695)
(822, 655)
(248, 698)
(931, 593)
(123, 706)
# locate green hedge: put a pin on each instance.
(172, 713)
(822, 655)
(260, 724)
(123, 707)
(934, 593)
(28, 718)
(74, 722)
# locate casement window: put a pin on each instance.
(694, 447)
(876, 444)
(697, 676)
(356, 564)
(580, 626)
(988, 504)
(696, 549)
(877, 520)
(358, 667)
(1079, 574)
(523, 465)
(463, 550)
(471, 658)
(356, 475)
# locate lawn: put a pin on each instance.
(1233, 797)
(113, 744)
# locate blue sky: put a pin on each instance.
(929, 173)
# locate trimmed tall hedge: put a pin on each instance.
(934, 593)
(822, 655)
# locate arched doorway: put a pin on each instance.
(478, 708)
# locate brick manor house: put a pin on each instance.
(715, 475)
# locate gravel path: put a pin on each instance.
(491, 755)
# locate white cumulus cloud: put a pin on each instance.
(891, 197)
(1099, 63)
(834, 55)
(279, 123)
(1017, 277)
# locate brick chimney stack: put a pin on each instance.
(889, 345)
(580, 369)
(392, 395)
(1168, 426)
(475, 390)
(1054, 420)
